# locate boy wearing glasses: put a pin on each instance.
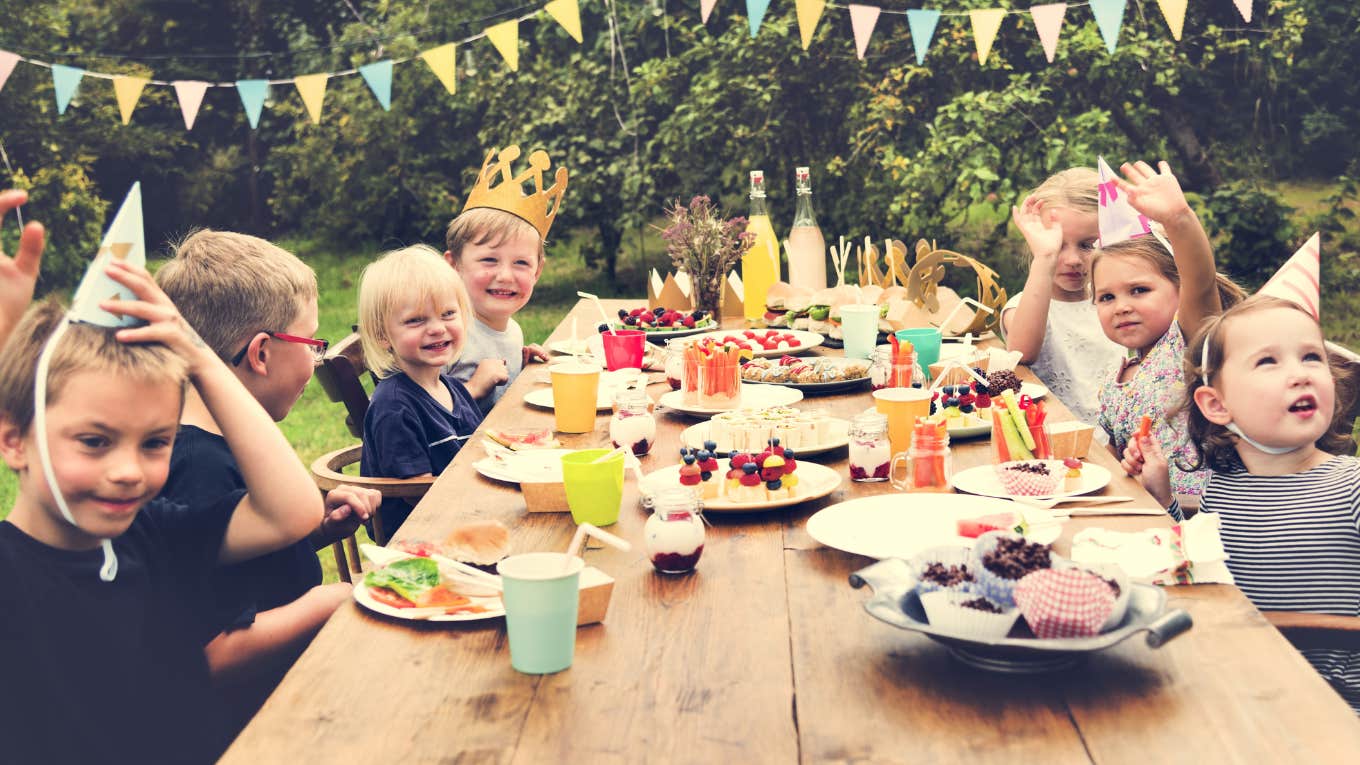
(255, 306)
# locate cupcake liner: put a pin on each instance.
(1064, 603)
(947, 555)
(945, 612)
(1113, 572)
(996, 588)
(1024, 484)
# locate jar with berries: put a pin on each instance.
(674, 534)
(676, 353)
(902, 372)
(870, 452)
(633, 424)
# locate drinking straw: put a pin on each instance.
(599, 306)
(609, 456)
(579, 538)
(959, 307)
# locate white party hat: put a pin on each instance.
(1299, 280)
(1117, 218)
(124, 240)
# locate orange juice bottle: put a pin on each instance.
(760, 263)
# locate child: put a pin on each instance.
(412, 309)
(1269, 408)
(255, 305)
(1052, 322)
(113, 670)
(1150, 299)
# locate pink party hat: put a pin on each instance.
(1299, 279)
(1117, 218)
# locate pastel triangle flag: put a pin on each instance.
(1243, 7)
(568, 14)
(7, 62)
(441, 61)
(505, 36)
(124, 240)
(190, 95)
(1174, 12)
(128, 90)
(1116, 218)
(922, 24)
(65, 80)
(1299, 279)
(985, 24)
(706, 9)
(252, 98)
(755, 13)
(312, 88)
(1048, 21)
(809, 14)
(862, 21)
(1109, 17)
(378, 75)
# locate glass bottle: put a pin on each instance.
(929, 463)
(633, 424)
(674, 534)
(904, 373)
(806, 245)
(760, 263)
(870, 452)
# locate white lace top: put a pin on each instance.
(1076, 356)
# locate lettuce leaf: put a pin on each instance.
(409, 578)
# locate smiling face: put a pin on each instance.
(425, 334)
(1134, 301)
(500, 276)
(1080, 233)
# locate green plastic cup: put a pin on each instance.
(926, 340)
(594, 492)
(542, 591)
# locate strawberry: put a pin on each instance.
(688, 322)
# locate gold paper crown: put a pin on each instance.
(538, 209)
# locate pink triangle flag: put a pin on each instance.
(862, 21)
(1117, 218)
(706, 9)
(190, 95)
(7, 62)
(1299, 280)
(1244, 8)
(1048, 21)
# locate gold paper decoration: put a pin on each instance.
(924, 280)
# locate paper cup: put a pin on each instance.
(945, 612)
(623, 348)
(575, 388)
(945, 555)
(926, 341)
(542, 595)
(902, 406)
(594, 491)
(1064, 603)
(1018, 483)
(859, 330)
(1112, 572)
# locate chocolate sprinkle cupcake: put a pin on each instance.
(946, 576)
(981, 604)
(1012, 558)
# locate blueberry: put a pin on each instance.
(966, 408)
(658, 311)
(631, 321)
(788, 454)
(712, 446)
(603, 328)
(748, 468)
(699, 315)
(689, 459)
(774, 442)
(774, 485)
(704, 455)
(623, 313)
(951, 401)
(706, 474)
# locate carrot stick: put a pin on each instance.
(1144, 427)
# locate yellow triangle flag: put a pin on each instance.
(128, 90)
(312, 88)
(809, 13)
(1174, 11)
(985, 24)
(505, 36)
(568, 14)
(441, 63)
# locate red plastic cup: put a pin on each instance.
(623, 349)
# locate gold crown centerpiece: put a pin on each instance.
(499, 188)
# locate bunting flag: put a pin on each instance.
(1109, 17)
(755, 13)
(1174, 12)
(1048, 21)
(568, 14)
(379, 78)
(7, 62)
(862, 21)
(65, 80)
(190, 95)
(706, 9)
(1299, 279)
(985, 25)
(312, 88)
(1115, 217)
(922, 24)
(128, 90)
(505, 36)
(252, 94)
(441, 61)
(1243, 7)
(809, 13)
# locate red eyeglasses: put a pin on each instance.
(316, 344)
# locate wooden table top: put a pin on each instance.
(765, 654)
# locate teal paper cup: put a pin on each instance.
(594, 492)
(926, 340)
(542, 591)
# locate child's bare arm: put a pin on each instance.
(282, 504)
(18, 274)
(276, 634)
(489, 374)
(1026, 324)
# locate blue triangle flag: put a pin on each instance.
(1109, 17)
(922, 23)
(252, 97)
(379, 78)
(65, 80)
(755, 13)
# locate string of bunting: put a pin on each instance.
(504, 36)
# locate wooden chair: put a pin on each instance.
(1308, 630)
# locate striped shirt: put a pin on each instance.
(1293, 544)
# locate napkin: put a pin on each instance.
(1187, 553)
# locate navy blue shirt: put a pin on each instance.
(202, 470)
(96, 671)
(407, 433)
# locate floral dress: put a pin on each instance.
(1156, 387)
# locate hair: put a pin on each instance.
(1213, 444)
(415, 274)
(487, 225)
(1073, 188)
(230, 286)
(84, 348)
(1151, 251)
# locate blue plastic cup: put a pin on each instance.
(926, 341)
(542, 591)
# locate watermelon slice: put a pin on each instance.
(976, 527)
(524, 438)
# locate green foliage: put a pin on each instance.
(1251, 230)
(74, 216)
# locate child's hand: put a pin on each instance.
(164, 323)
(1042, 232)
(346, 508)
(1156, 195)
(1143, 459)
(490, 373)
(19, 273)
(532, 352)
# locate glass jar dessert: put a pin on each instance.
(633, 424)
(675, 366)
(870, 452)
(674, 533)
(904, 373)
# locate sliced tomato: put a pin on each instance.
(389, 598)
(441, 595)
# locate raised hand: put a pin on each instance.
(1144, 460)
(1155, 194)
(164, 323)
(18, 274)
(1041, 230)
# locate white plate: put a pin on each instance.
(820, 387)
(569, 348)
(695, 435)
(982, 480)
(610, 382)
(532, 466)
(805, 340)
(1033, 390)
(383, 556)
(752, 397)
(901, 525)
(971, 431)
(814, 481)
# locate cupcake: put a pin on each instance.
(967, 615)
(1030, 478)
(1064, 603)
(1119, 584)
(1001, 560)
(948, 567)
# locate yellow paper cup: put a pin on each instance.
(902, 406)
(594, 490)
(575, 388)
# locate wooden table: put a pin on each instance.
(765, 654)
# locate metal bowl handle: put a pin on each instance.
(1166, 628)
